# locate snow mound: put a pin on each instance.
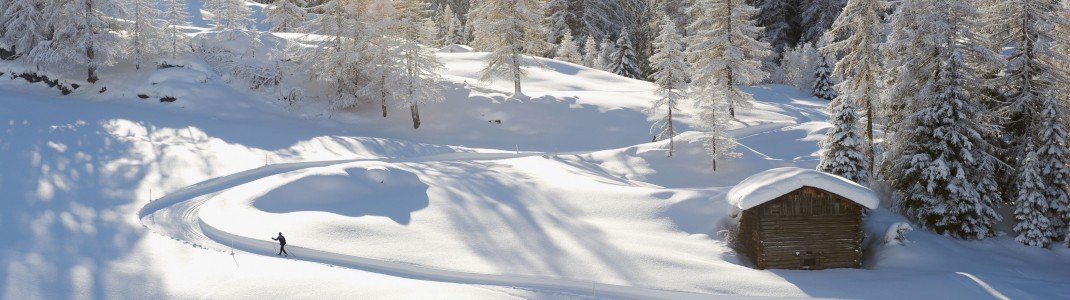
(766, 186)
(374, 191)
(183, 75)
(175, 82)
(455, 48)
(894, 235)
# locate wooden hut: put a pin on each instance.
(792, 218)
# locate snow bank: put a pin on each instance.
(177, 75)
(455, 48)
(765, 186)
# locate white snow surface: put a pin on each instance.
(105, 195)
(770, 184)
(455, 48)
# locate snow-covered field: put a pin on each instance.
(563, 199)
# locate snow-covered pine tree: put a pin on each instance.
(605, 53)
(670, 74)
(145, 37)
(599, 19)
(781, 20)
(338, 63)
(817, 16)
(458, 6)
(175, 16)
(824, 86)
(418, 81)
(855, 37)
(1062, 47)
(507, 29)
(378, 58)
(286, 15)
(454, 34)
(677, 12)
(469, 29)
(642, 26)
(567, 50)
(623, 60)
(892, 108)
(5, 45)
(82, 35)
(1034, 222)
(3, 19)
(844, 145)
(557, 18)
(944, 176)
(230, 14)
(1053, 152)
(899, 80)
(724, 51)
(1036, 112)
(590, 52)
(23, 25)
(799, 64)
(440, 23)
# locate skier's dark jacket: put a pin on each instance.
(281, 239)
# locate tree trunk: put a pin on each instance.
(672, 131)
(869, 136)
(415, 116)
(728, 70)
(713, 150)
(92, 70)
(731, 84)
(516, 74)
(137, 35)
(383, 95)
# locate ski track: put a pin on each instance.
(176, 215)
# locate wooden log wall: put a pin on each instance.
(805, 229)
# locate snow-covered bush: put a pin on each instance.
(894, 235)
(241, 56)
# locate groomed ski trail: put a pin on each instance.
(176, 215)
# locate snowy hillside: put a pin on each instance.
(159, 149)
(586, 208)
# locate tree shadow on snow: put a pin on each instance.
(391, 193)
(66, 205)
(525, 232)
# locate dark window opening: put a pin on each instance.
(809, 263)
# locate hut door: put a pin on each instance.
(809, 262)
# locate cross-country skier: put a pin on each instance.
(282, 244)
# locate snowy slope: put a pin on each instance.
(413, 213)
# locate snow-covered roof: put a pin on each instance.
(766, 186)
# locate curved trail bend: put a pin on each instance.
(176, 215)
